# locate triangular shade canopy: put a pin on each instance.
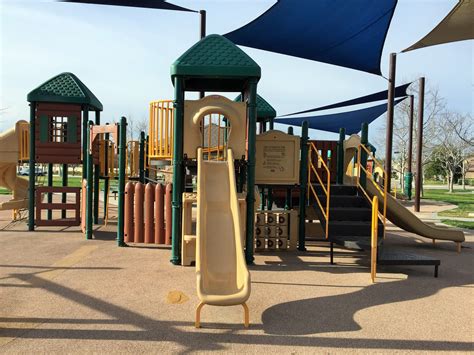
(458, 25)
(351, 120)
(265, 111)
(346, 33)
(381, 95)
(149, 4)
(215, 64)
(65, 88)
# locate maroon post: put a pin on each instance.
(410, 135)
(159, 214)
(389, 133)
(128, 212)
(419, 171)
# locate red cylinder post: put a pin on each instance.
(168, 217)
(138, 212)
(149, 223)
(159, 214)
(128, 212)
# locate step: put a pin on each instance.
(350, 213)
(337, 189)
(399, 257)
(342, 201)
(354, 228)
(355, 242)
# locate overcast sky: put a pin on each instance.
(124, 54)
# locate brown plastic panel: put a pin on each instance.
(128, 212)
(159, 214)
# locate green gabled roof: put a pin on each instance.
(265, 111)
(215, 58)
(65, 88)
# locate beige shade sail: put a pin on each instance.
(458, 25)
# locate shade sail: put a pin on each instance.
(351, 120)
(149, 4)
(340, 32)
(381, 95)
(458, 25)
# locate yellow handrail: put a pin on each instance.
(374, 238)
(326, 189)
(370, 178)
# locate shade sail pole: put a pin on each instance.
(390, 106)
(409, 173)
(419, 151)
(202, 34)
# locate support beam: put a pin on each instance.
(85, 148)
(141, 159)
(89, 203)
(390, 107)
(289, 196)
(202, 34)
(122, 147)
(178, 171)
(96, 179)
(106, 173)
(50, 184)
(364, 140)
(65, 168)
(252, 129)
(340, 157)
(32, 171)
(303, 186)
(419, 151)
(409, 173)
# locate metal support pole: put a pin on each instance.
(409, 173)
(389, 133)
(147, 170)
(270, 189)
(364, 140)
(271, 124)
(303, 186)
(90, 185)
(85, 121)
(32, 171)
(96, 179)
(64, 183)
(178, 171)
(252, 128)
(202, 34)
(419, 152)
(121, 183)
(141, 159)
(50, 184)
(289, 196)
(340, 157)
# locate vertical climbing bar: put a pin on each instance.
(31, 175)
(340, 157)
(121, 184)
(289, 196)
(177, 170)
(252, 128)
(303, 186)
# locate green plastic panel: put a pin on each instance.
(216, 57)
(265, 111)
(72, 129)
(44, 129)
(65, 88)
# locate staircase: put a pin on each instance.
(350, 227)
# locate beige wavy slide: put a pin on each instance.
(222, 275)
(9, 156)
(403, 218)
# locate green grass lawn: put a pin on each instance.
(458, 224)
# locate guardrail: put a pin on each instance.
(326, 189)
(372, 181)
(160, 144)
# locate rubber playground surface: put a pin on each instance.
(62, 294)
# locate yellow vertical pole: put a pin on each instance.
(374, 237)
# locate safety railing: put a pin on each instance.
(326, 187)
(369, 179)
(160, 141)
(374, 238)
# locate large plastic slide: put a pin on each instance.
(222, 275)
(9, 156)
(403, 218)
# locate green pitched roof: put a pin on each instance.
(265, 111)
(65, 88)
(215, 58)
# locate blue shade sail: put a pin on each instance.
(148, 4)
(351, 120)
(348, 33)
(400, 91)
